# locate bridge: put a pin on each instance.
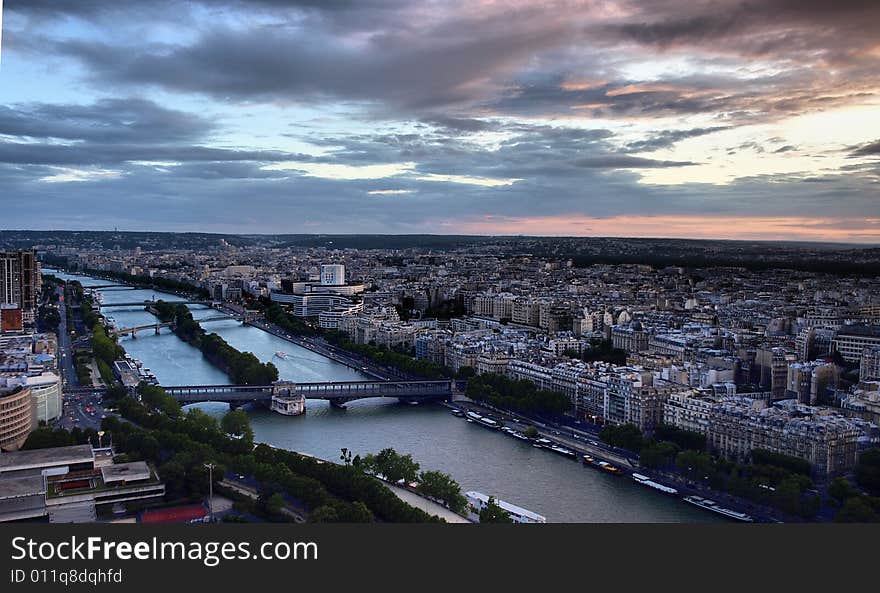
(145, 303)
(106, 286)
(157, 326)
(134, 330)
(337, 392)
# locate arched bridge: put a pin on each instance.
(337, 393)
(123, 331)
(145, 303)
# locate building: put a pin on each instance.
(807, 381)
(689, 410)
(20, 282)
(852, 340)
(632, 338)
(869, 364)
(18, 417)
(310, 299)
(332, 275)
(66, 484)
(770, 370)
(828, 441)
(11, 319)
(46, 393)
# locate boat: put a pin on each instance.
(711, 505)
(457, 412)
(544, 443)
(607, 467)
(477, 500)
(281, 354)
(472, 416)
(589, 460)
(489, 423)
(562, 451)
(646, 481)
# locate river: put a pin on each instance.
(479, 459)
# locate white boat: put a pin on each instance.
(281, 354)
(488, 422)
(477, 500)
(562, 451)
(711, 505)
(646, 481)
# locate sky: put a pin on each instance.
(723, 119)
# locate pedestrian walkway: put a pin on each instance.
(429, 506)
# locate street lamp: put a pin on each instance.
(210, 467)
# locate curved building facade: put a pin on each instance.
(17, 418)
(46, 393)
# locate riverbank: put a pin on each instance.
(588, 444)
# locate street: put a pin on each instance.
(83, 410)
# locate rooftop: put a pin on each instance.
(21, 487)
(39, 458)
(136, 470)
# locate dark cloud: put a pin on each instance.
(621, 161)
(462, 124)
(667, 138)
(107, 120)
(870, 149)
(115, 154)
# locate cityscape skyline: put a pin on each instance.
(716, 120)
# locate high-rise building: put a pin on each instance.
(20, 281)
(332, 274)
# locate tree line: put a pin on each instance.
(243, 368)
(518, 395)
(180, 444)
(395, 467)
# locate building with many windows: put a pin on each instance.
(20, 282)
(18, 417)
(826, 439)
(869, 364)
(852, 340)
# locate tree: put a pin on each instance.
(868, 470)
(685, 439)
(857, 510)
(626, 436)
(492, 513)
(442, 487)
(395, 467)
(237, 423)
(658, 455)
(531, 432)
(786, 462)
(840, 490)
(272, 503)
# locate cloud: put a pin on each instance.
(281, 114)
(870, 149)
(667, 138)
(626, 162)
(106, 120)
